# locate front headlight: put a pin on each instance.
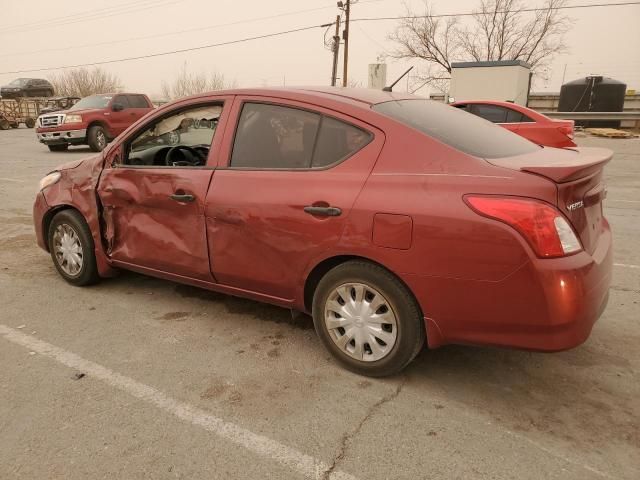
(49, 180)
(73, 119)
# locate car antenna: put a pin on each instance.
(390, 87)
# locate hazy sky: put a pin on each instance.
(602, 40)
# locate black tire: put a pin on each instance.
(97, 138)
(58, 148)
(88, 272)
(30, 122)
(410, 335)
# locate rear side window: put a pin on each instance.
(278, 137)
(517, 117)
(337, 140)
(122, 100)
(492, 113)
(137, 101)
(456, 128)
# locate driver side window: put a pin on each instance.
(180, 139)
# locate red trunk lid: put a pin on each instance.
(578, 175)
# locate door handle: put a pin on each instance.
(323, 211)
(182, 197)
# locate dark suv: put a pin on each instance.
(27, 87)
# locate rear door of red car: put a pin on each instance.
(284, 197)
(153, 206)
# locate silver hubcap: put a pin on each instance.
(102, 140)
(67, 249)
(361, 322)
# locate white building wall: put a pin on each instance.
(503, 83)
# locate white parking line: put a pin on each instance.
(625, 265)
(289, 457)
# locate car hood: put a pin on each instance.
(84, 111)
(76, 163)
(70, 165)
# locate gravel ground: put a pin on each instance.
(184, 383)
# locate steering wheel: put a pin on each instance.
(190, 157)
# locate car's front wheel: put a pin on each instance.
(367, 318)
(97, 138)
(71, 247)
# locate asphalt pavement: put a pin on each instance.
(143, 378)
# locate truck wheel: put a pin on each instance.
(4, 124)
(97, 138)
(58, 148)
(30, 122)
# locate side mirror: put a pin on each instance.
(117, 107)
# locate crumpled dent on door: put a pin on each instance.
(77, 189)
(143, 225)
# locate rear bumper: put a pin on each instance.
(546, 305)
(60, 137)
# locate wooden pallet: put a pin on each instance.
(610, 133)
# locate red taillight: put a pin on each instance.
(541, 224)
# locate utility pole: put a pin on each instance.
(345, 36)
(336, 49)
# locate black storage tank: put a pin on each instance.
(593, 94)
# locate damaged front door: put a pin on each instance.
(153, 193)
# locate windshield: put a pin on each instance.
(19, 82)
(94, 101)
(457, 128)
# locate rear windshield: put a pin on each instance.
(457, 128)
(94, 101)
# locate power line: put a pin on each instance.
(92, 16)
(471, 14)
(172, 52)
(286, 32)
(177, 32)
(66, 17)
(121, 9)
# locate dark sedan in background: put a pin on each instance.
(27, 87)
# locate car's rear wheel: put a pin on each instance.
(367, 318)
(71, 247)
(58, 148)
(97, 138)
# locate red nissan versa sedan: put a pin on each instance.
(522, 120)
(390, 218)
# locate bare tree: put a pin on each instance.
(497, 30)
(81, 82)
(187, 83)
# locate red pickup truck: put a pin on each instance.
(93, 121)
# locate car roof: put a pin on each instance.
(364, 97)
